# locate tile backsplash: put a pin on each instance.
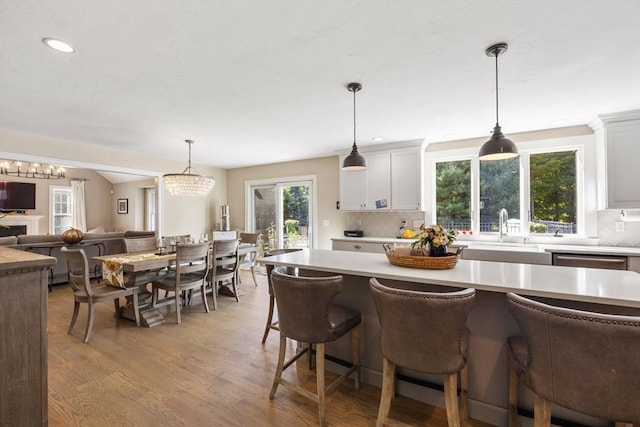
(607, 234)
(382, 224)
(387, 224)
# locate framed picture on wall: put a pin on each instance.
(123, 206)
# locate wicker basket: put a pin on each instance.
(426, 262)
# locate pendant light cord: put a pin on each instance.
(496, 55)
(189, 142)
(354, 117)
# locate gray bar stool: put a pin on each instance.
(424, 332)
(270, 323)
(307, 314)
(584, 361)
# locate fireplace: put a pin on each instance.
(13, 230)
(28, 224)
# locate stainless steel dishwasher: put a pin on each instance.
(610, 262)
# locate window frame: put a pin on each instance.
(584, 147)
(53, 189)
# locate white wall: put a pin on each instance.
(179, 214)
(97, 192)
(326, 171)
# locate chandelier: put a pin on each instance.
(188, 183)
(31, 170)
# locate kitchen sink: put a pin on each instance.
(495, 246)
(507, 252)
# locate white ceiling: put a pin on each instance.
(265, 81)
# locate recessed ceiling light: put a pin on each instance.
(58, 45)
(377, 139)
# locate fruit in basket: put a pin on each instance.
(408, 234)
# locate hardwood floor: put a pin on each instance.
(211, 370)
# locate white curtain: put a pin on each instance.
(79, 211)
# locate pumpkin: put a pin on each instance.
(72, 236)
(419, 251)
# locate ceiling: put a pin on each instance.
(256, 82)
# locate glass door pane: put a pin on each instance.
(296, 215)
(264, 215)
(282, 213)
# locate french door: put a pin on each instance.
(282, 211)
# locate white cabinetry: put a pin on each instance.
(361, 190)
(407, 177)
(620, 143)
(373, 247)
(393, 180)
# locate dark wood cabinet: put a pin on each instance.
(23, 337)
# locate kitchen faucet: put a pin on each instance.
(503, 217)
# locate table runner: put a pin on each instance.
(112, 271)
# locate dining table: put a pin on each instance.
(124, 270)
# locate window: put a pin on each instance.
(453, 194)
(61, 209)
(553, 192)
(499, 188)
(539, 190)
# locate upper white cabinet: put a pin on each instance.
(619, 139)
(407, 177)
(393, 179)
(369, 189)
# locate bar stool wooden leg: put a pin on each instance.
(310, 364)
(269, 319)
(320, 382)
(281, 354)
(388, 380)
(541, 412)
(464, 393)
(355, 351)
(451, 399)
(514, 421)
(253, 274)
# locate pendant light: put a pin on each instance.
(498, 147)
(354, 161)
(188, 183)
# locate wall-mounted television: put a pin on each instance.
(17, 196)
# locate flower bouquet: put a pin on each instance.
(433, 241)
(429, 251)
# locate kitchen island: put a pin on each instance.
(23, 337)
(490, 322)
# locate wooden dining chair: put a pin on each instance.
(86, 293)
(192, 266)
(141, 279)
(140, 244)
(250, 239)
(224, 267)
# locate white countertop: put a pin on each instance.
(575, 249)
(591, 285)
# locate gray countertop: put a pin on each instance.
(565, 248)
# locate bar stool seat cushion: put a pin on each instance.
(342, 319)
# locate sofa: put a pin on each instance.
(94, 244)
